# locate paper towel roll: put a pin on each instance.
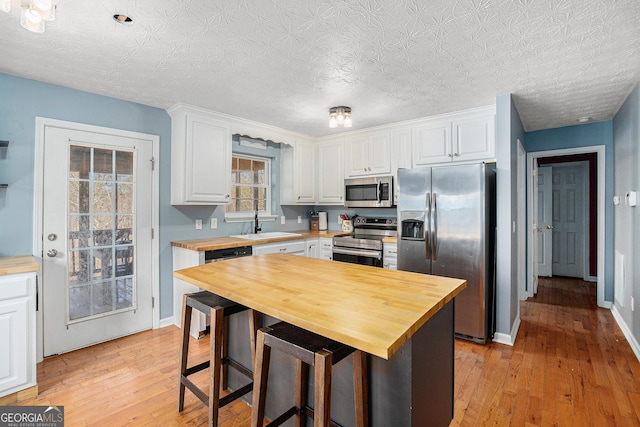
(322, 220)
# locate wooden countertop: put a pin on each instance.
(234, 242)
(372, 309)
(18, 264)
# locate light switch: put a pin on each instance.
(198, 224)
(299, 219)
(616, 200)
(214, 223)
(282, 220)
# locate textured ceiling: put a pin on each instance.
(286, 62)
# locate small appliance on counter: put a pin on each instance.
(322, 221)
(314, 223)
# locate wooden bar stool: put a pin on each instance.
(309, 349)
(219, 309)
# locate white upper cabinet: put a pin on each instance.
(368, 154)
(200, 158)
(463, 138)
(474, 138)
(298, 173)
(331, 173)
(431, 143)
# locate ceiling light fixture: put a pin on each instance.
(340, 116)
(584, 119)
(33, 13)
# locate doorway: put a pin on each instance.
(98, 211)
(595, 270)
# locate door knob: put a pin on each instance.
(51, 253)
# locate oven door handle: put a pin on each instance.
(358, 252)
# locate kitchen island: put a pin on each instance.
(404, 320)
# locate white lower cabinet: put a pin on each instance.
(311, 248)
(296, 247)
(326, 248)
(390, 256)
(17, 332)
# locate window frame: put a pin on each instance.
(250, 215)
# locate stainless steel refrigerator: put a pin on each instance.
(446, 227)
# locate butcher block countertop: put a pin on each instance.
(372, 309)
(215, 243)
(18, 264)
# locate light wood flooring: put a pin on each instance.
(570, 366)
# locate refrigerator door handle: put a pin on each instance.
(434, 232)
(427, 226)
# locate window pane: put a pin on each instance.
(79, 162)
(124, 201)
(102, 263)
(124, 293)
(124, 166)
(102, 297)
(103, 230)
(102, 197)
(79, 267)
(79, 301)
(102, 164)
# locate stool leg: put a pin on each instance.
(184, 349)
(302, 384)
(361, 387)
(322, 390)
(224, 353)
(254, 325)
(216, 337)
(260, 379)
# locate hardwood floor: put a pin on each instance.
(570, 365)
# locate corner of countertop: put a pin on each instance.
(18, 264)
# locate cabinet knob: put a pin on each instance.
(365, 169)
(298, 197)
(456, 154)
(227, 196)
(449, 155)
(369, 169)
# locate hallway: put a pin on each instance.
(571, 366)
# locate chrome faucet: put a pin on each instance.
(256, 226)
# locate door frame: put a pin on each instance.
(600, 152)
(38, 198)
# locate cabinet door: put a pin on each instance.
(207, 171)
(379, 154)
(312, 248)
(331, 173)
(305, 172)
(474, 138)
(432, 144)
(390, 256)
(357, 150)
(326, 248)
(14, 351)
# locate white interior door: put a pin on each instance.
(97, 219)
(569, 213)
(545, 221)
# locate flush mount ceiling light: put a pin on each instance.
(122, 19)
(33, 13)
(340, 116)
(584, 119)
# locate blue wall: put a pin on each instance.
(22, 100)
(599, 133)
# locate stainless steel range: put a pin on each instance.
(364, 246)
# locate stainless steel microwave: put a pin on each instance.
(369, 192)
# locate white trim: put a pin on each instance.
(501, 338)
(521, 220)
(167, 321)
(600, 150)
(38, 185)
(635, 346)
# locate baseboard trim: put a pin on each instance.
(507, 339)
(635, 346)
(167, 321)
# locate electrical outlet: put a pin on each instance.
(214, 223)
(631, 303)
(282, 220)
(299, 219)
(198, 224)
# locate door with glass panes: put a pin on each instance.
(97, 217)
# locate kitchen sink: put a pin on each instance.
(266, 235)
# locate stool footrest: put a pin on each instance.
(238, 367)
(284, 417)
(195, 390)
(197, 368)
(235, 395)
